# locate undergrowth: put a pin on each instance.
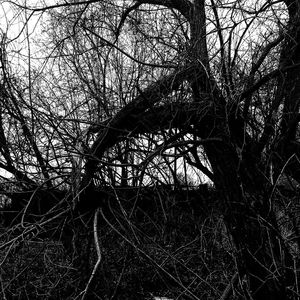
(178, 254)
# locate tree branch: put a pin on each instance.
(47, 7)
(183, 6)
(127, 119)
(125, 15)
(259, 83)
(112, 44)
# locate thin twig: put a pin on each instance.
(229, 287)
(2, 287)
(296, 275)
(99, 255)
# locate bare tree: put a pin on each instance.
(129, 91)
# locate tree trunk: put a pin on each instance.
(251, 223)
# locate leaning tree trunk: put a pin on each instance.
(251, 223)
(287, 149)
(78, 237)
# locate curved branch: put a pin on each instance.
(127, 118)
(255, 68)
(259, 83)
(136, 118)
(125, 15)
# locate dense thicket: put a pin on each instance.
(109, 96)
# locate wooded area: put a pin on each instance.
(155, 143)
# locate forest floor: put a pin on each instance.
(176, 255)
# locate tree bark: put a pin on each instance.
(251, 222)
